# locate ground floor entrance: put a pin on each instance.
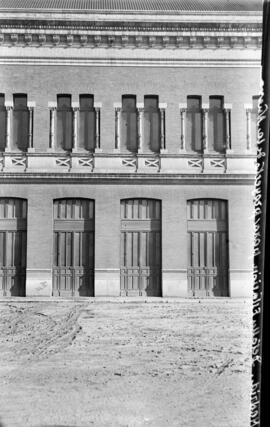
(207, 248)
(140, 247)
(73, 251)
(104, 241)
(13, 246)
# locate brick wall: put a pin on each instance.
(42, 83)
(174, 226)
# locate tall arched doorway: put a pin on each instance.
(141, 247)
(73, 252)
(208, 254)
(13, 245)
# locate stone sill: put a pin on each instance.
(101, 163)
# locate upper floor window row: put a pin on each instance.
(139, 127)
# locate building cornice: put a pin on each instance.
(179, 31)
(79, 39)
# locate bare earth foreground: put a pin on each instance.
(125, 362)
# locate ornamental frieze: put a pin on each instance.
(114, 40)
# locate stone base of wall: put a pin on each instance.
(174, 284)
(241, 284)
(107, 282)
(38, 282)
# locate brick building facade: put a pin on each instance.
(128, 147)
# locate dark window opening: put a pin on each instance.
(64, 122)
(3, 122)
(194, 124)
(129, 131)
(87, 123)
(253, 119)
(151, 124)
(216, 124)
(20, 122)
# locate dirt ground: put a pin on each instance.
(125, 362)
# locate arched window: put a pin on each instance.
(151, 124)
(129, 133)
(64, 122)
(20, 122)
(194, 124)
(3, 122)
(87, 123)
(216, 124)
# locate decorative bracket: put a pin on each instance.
(14, 38)
(56, 39)
(83, 39)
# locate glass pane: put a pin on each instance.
(63, 101)
(255, 100)
(194, 124)
(86, 102)
(220, 132)
(20, 128)
(147, 131)
(129, 131)
(151, 102)
(194, 102)
(152, 130)
(20, 101)
(128, 102)
(216, 125)
(254, 131)
(87, 130)
(216, 102)
(2, 100)
(196, 143)
(2, 248)
(2, 129)
(64, 129)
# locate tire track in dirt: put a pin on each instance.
(60, 336)
(36, 335)
(130, 364)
